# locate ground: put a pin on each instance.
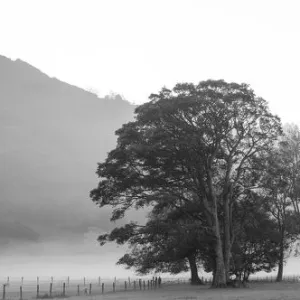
(256, 291)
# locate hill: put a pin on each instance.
(52, 136)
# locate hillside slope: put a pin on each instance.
(52, 136)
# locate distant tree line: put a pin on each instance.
(220, 176)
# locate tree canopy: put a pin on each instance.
(195, 145)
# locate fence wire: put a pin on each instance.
(47, 288)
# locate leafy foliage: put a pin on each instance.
(192, 146)
(257, 244)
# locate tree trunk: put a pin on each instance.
(238, 276)
(227, 238)
(214, 278)
(220, 276)
(280, 271)
(246, 276)
(281, 258)
(194, 271)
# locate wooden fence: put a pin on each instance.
(21, 289)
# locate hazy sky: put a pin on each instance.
(135, 47)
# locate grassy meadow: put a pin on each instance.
(256, 291)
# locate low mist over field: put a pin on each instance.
(52, 136)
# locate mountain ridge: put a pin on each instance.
(53, 134)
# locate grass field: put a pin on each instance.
(256, 291)
(170, 290)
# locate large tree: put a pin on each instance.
(194, 143)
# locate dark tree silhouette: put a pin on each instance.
(257, 243)
(169, 242)
(192, 143)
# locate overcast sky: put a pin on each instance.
(135, 47)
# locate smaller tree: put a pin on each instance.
(257, 243)
(278, 184)
(290, 150)
(169, 242)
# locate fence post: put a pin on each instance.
(144, 284)
(51, 279)
(21, 293)
(8, 280)
(129, 281)
(99, 280)
(64, 289)
(78, 291)
(102, 288)
(125, 285)
(83, 281)
(22, 280)
(140, 283)
(134, 285)
(50, 290)
(3, 295)
(37, 291)
(68, 280)
(148, 284)
(90, 290)
(37, 280)
(114, 287)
